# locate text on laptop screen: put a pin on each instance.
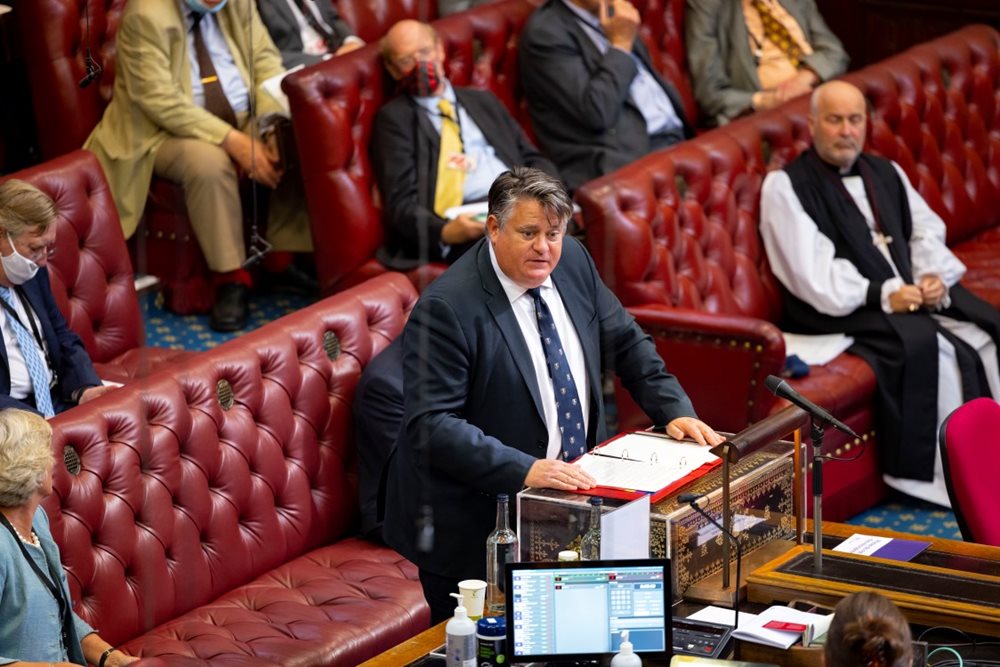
(581, 608)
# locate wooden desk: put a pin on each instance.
(410, 650)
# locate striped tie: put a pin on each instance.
(32, 358)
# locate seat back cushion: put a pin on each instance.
(970, 451)
(203, 477)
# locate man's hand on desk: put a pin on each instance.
(695, 429)
(553, 474)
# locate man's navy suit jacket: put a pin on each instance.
(68, 357)
(473, 422)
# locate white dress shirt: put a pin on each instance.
(524, 310)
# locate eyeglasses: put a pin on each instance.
(36, 251)
(405, 63)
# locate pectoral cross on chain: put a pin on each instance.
(882, 240)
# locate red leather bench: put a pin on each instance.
(55, 41)
(334, 105)
(675, 235)
(211, 520)
(371, 20)
(90, 273)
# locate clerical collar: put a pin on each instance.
(843, 172)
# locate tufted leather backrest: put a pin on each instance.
(936, 111)
(333, 108)
(372, 18)
(91, 274)
(54, 39)
(662, 31)
(201, 478)
(679, 227)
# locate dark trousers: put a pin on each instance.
(437, 592)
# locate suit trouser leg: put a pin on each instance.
(437, 592)
(211, 192)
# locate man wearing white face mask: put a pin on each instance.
(44, 366)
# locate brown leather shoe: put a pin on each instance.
(230, 310)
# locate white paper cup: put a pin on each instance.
(473, 596)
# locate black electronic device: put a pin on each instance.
(576, 610)
(700, 638)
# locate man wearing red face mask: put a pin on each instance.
(436, 147)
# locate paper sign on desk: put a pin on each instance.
(637, 463)
(625, 531)
(893, 548)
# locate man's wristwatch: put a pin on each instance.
(104, 656)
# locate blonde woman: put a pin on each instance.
(38, 625)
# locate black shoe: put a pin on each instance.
(292, 280)
(230, 310)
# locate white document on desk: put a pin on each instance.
(644, 462)
(625, 531)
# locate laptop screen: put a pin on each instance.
(577, 610)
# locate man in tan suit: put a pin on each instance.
(182, 110)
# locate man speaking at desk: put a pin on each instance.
(502, 363)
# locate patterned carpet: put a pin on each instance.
(191, 332)
(164, 329)
(908, 515)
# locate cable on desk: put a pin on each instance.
(948, 649)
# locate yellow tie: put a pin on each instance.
(775, 31)
(448, 191)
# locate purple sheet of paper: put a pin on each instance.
(898, 549)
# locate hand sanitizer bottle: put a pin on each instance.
(460, 637)
(625, 656)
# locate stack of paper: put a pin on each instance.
(776, 626)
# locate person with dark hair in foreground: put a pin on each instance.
(502, 366)
(868, 630)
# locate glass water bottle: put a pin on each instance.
(501, 548)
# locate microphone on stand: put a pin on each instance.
(781, 389)
(692, 500)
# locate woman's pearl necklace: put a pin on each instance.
(34, 538)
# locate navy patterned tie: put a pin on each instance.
(574, 438)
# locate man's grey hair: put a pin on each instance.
(522, 183)
(25, 455)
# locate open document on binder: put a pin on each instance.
(641, 462)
